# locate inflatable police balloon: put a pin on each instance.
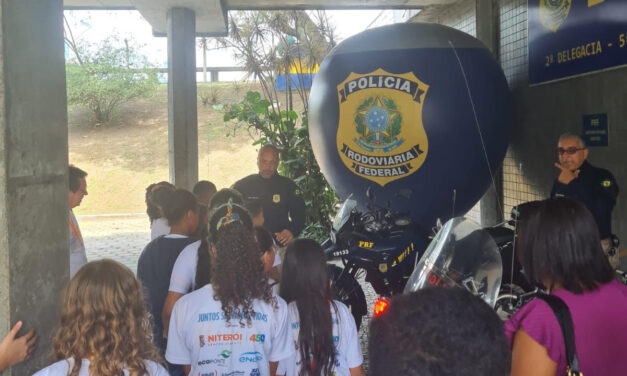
(418, 112)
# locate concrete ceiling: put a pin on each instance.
(211, 15)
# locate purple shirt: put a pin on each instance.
(600, 321)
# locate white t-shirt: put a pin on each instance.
(275, 286)
(63, 367)
(78, 257)
(158, 227)
(184, 270)
(348, 351)
(200, 336)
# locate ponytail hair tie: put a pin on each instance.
(230, 217)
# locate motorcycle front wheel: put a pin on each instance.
(348, 291)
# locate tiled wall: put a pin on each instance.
(513, 58)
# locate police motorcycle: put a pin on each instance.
(482, 260)
(379, 244)
(462, 254)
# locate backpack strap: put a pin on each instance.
(562, 313)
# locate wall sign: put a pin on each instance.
(571, 37)
(595, 130)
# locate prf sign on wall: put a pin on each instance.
(595, 130)
(571, 37)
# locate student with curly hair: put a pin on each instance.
(443, 331)
(234, 324)
(323, 329)
(192, 269)
(104, 328)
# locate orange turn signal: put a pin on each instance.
(380, 306)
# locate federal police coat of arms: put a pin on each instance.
(380, 135)
(554, 12)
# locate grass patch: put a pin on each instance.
(130, 152)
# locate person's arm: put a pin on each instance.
(357, 371)
(187, 368)
(172, 298)
(273, 367)
(530, 358)
(14, 350)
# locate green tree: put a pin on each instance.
(104, 75)
(268, 43)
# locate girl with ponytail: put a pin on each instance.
(234, 324)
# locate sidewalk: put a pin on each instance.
(121, 238)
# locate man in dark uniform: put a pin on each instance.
(283, 208)
(595, 187)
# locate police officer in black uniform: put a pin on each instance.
(595, 187)
(283, 208)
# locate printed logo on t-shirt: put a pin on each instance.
(276, 199)
(217, 361)
(225, 354)
(255, 372)
(219, 339)
(251, 357)
(258, 338)
(235, 316)
(233, 373)
(214, 373)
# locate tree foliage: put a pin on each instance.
(268, 43)
(104, 75)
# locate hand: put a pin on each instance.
(14, 350)
(284, 236)
(566, 175)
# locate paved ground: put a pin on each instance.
(123, 238)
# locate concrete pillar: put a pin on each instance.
(486, 26)
(182, 103)
(34, 259)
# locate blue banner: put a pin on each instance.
(571, 37)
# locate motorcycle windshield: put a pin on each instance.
(344, 213)
(461, 254)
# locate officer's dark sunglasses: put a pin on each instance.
(569, 151)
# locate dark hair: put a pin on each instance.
(156, 196)
(305, 280)
(203, 263)
(438, 332)
(558, 242)
(178, 203)
(254, 207)
(74, 175)
(264, 239)
(203, 266)
(223, 196)
(204, 186)
(237, 275)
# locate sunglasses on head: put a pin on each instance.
(570, 151)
